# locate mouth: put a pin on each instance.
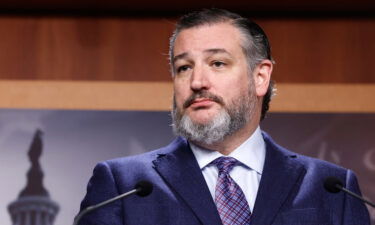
(201, 103)
(202, 100)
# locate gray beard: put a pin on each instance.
(230, 119)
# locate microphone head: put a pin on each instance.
(144, 188)
(333, 184)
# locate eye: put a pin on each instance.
(218, 64)
(182, 68)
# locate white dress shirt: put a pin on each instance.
(251, 155)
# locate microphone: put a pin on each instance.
(142, 189)
(334, 185)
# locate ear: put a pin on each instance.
(262, 76)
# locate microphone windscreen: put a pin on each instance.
(331, 183)
(144, 188)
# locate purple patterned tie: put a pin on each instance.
(230, 200)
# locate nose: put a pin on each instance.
(199, 79)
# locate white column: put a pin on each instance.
(17, 218)
(47, 219)
(38, 218)
(27, 218)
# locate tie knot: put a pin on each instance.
(224, 164)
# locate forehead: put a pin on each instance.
(211, 36)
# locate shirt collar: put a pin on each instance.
(250, 153)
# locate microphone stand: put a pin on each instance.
(142, 189)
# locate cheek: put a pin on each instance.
(236, 89)
(180, 95)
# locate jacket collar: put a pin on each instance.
(180, 170)
(282, 173)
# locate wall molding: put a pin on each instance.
(157, 96)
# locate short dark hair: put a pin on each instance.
(256, 46)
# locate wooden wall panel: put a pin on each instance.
(323, 51)
(124, 49)
(83, 49)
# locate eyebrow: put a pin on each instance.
(211, 51)
(216, 50)
(180, 56)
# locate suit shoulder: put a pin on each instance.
(322, 166)
(310, 163)
(145, 159)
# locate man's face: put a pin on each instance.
(211, 74)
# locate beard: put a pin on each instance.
(232, 117)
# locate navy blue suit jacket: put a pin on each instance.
(291, 191)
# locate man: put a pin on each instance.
(222, 169)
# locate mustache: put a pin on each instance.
(203, 94)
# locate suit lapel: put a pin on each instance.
(181, 171)
(281, 174)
